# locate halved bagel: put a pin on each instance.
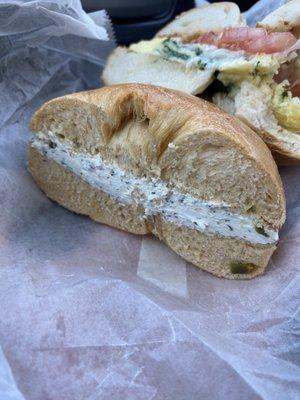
(151, 160)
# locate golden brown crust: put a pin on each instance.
(281, 155)
(207, 17)
(283, 160)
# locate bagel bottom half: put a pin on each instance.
(216, 254)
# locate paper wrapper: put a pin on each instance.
(89, 312)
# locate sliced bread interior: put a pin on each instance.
(209, 17)
(124, 66)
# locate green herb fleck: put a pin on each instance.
(252, 209)
(52, 144)
(171, 49)
(201, 65)
(237, 267)
(76, 142)
(256, 67)
(261, 231)
(229, 87)
(198, 52)
(284, 94)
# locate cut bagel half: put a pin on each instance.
(151, 160)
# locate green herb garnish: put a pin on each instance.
(261, 231)
(237, 267)
(284, 94)
(201, 65)
(252, 209)
(76, 142)
(256, 67)
(171, 49)
(52, 144)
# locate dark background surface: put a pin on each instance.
(134, 20)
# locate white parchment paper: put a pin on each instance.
(88, 312)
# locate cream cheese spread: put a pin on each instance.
(215, 58)
(156, 197)
(209, 57)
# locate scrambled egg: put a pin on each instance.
(231, 65)
(286, 108)
(147, 46)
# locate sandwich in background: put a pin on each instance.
(258, 68)
(270, 103)
(147, 159)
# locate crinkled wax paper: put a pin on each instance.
(88, 312)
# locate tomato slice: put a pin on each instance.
(208, 38)
(296, 90)
(251, 40)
